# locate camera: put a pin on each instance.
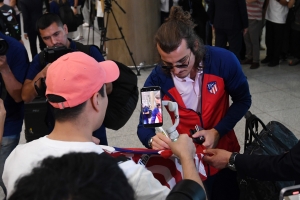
(3, 47)
(51, 54)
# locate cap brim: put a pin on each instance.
(111, 69)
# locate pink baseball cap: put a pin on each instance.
(75, 77)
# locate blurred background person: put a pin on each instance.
(199, 15)
(251, 38)
(230, 21)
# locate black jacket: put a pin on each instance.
(228, 14)
(285, 167)
(32, 10)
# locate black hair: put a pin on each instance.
(46, 20)
(75, 176)
(62, 115)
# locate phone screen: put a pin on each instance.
(152, 109)
(290, 193)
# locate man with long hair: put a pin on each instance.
(200, 79)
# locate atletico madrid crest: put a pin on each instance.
(212, 87)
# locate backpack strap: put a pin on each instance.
(83, 48)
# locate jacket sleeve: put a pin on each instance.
(283, 167)
(236, 85)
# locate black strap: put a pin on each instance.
(251, 122)
(251, 130)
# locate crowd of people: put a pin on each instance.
(199, 78)
(238, 25)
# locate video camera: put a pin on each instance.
(51, 54)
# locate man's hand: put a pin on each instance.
(26, 36)
(74, 11)
(3, 64)
(160, 142)
(183, 147)
(211, 137)
(217, 158)
(245, 31)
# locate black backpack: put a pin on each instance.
(124, 97)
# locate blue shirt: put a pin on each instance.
(17, 59)
(36, 67)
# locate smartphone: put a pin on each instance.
(151, 106)
(290, 193)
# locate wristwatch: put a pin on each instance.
(150, 142)
(231, 164)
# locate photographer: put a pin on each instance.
(54, 34)
(13, 71)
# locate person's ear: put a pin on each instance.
(196, 46)
(95, 101)
(66, 29)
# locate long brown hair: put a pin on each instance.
(178, 26)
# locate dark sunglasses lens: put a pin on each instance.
(166, 67)
(181, 66)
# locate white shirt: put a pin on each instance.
(189, 90)
(26, 156)
(276, 12)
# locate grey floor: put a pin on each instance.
(275, 96)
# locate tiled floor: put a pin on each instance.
(275, 96)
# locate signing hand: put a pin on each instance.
(160, 142)
(211, 137)
(26, 36)
(217, 158)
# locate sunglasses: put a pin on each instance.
(178, 65)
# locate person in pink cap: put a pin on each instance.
(76, 90)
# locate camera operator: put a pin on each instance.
(13, 72)
(54, 34)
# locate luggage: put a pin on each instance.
(273, 139)
(35, 114)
